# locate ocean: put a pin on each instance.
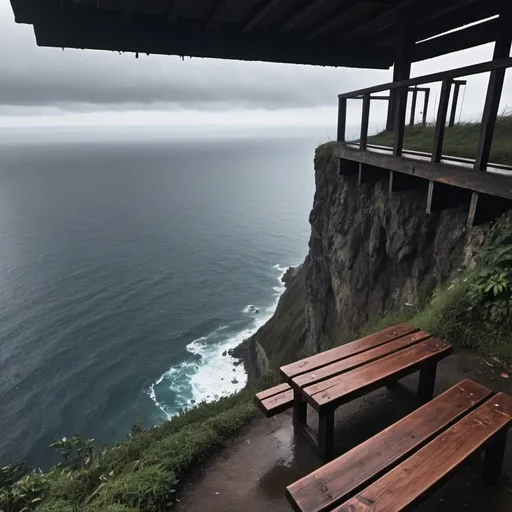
(130, 263)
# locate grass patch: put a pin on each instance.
(140, 473)
(460, 140)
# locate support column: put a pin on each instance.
(402, 65)
(342, 118)
(455, 100)
(413, 106)
(494, 89)
(442, 112)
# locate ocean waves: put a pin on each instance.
(209, 372)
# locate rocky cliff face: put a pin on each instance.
(371, 253)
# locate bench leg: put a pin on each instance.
(494, 455)
(427, 382)
(326, 433)
(300, 408)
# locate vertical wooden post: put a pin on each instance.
(427, 382)
(402, 64)
(455, 100)
(300, 408)
(425, 107)
(342, 118)
(326, 433)
(494, 456)
(363, 140)
(441, 120)
(494, 89)
(413, 106)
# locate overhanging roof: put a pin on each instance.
(351, 33)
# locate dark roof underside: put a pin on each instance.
(350, 33)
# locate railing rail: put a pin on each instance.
(496, 67)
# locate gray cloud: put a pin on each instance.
(84, 81)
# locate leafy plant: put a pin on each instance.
(77, 452)
(25, 495)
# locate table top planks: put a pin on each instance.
(350, 349)
(333, 483)
(350, 363)
(405, 484)
(341, 388)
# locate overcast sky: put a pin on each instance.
(46, 86)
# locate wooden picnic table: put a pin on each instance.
(330, 379)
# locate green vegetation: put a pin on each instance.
(140, 473)
(460, 140)
(475, 309)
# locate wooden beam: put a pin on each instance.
(442, 112)
(413, 106)
(379, 22)
(261, 13)
(486, 182)
(363, 141)
(344, 15)
(456, 41)
(425, 107)
(492, 99)
(174, 11)
(301, 15)
(474, 69)
(342, 119)
(455, 100)
(215, 12)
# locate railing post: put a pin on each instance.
(342, 118)
(455, 100)
(442, 112)
(425, 107)
(492, 99)
(400, 111)
(413, 105)
(365, 118)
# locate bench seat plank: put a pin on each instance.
(404, 485)
(333, 483)
(276, 403)
(361, 380)
(350, 349)
(350, 363)
(267, 393)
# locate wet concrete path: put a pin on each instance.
(253, 470)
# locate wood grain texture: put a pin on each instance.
(407, 483)
(333, 483)
(339, 389)
(350, 349)
(267, 393)
(350, 363)
(276, 404)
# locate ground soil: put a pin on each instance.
(251, 473)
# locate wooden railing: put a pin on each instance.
(399, 91)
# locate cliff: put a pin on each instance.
(280, 340)
(370, 254)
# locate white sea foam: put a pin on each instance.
(214, 373)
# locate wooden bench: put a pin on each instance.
(399, 467)
(275, 400)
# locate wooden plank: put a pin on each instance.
(267, 393)
(330, 356)
(442, 112)
(413, 106)
(363, 140)
(300, 16)
(406, 484)
(425, 107)
(345, 387)
(333, 483)
(342, 119)
(455, 100)
(276, 404)
(485, 182)
(350, 363)
(262, 13)
(493, 96)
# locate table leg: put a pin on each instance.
(494, 455)
(427, 382)
(300, 408)
(326, 433)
